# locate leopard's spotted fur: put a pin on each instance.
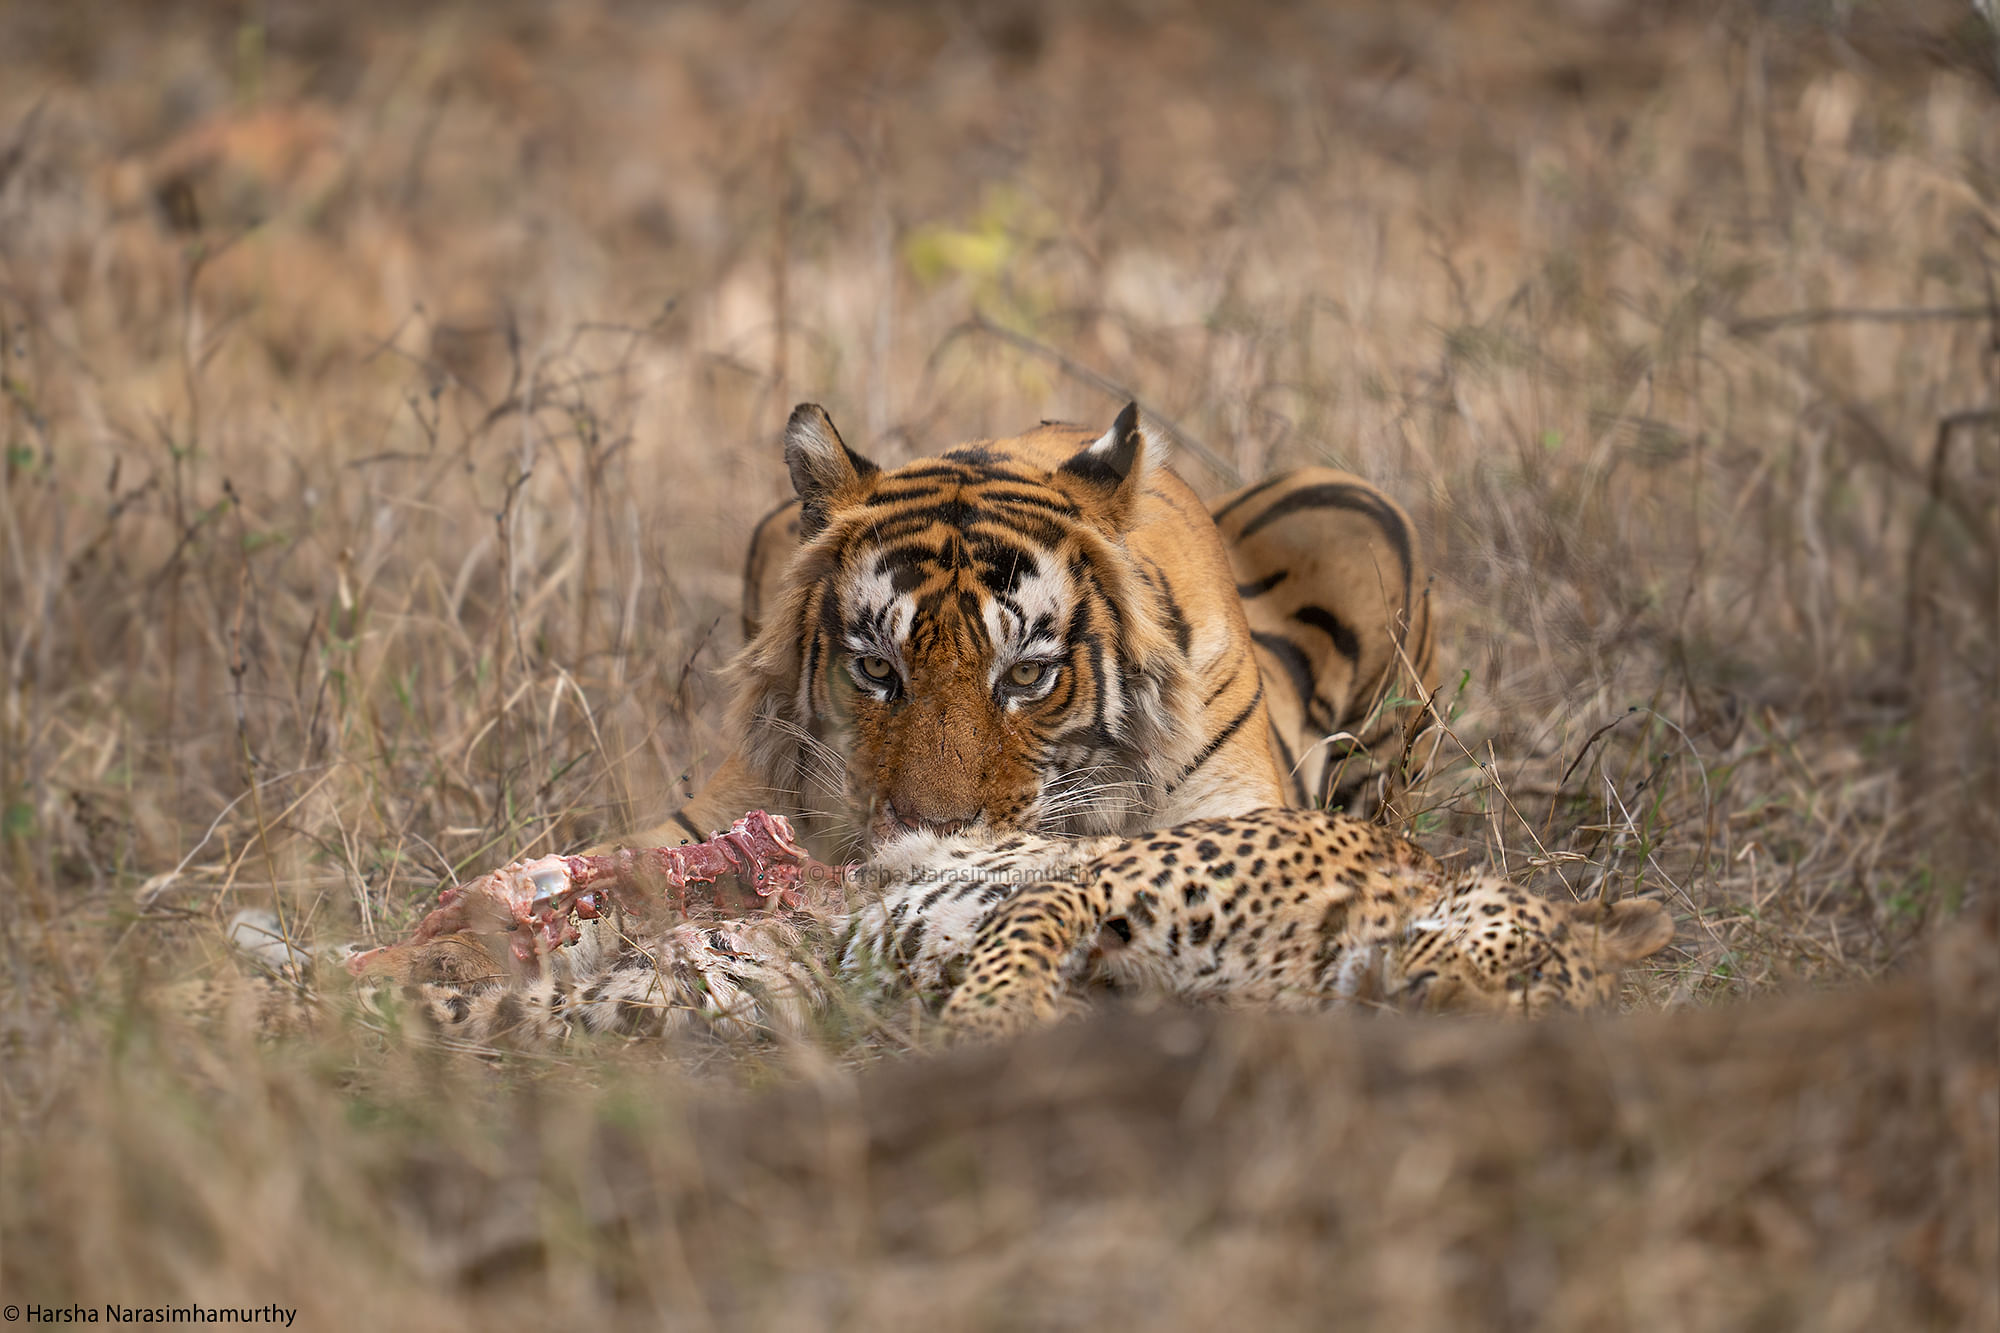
(1287, 909)
(1295, 909)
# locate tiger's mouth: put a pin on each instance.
(888, 829)
(888, 826)
(895, 843)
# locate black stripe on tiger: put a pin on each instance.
(1244, 498)
(1327, 571)
(775, 535)
(1288, 767)
(1298, 670)
(1344, 639)
(1339, 495)
(1217, 741)
(1259, 587)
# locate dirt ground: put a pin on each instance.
(386, 393)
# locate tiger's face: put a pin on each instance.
(963, 647)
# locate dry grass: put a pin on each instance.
(387, 395)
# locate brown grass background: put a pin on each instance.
(386, 393)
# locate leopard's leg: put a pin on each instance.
(267, 1005)
(937, 893)
(917, 937)
(735, 979)
(1028, 958)
(527, 1016)
(1290, 909)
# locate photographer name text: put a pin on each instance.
(276, 1315)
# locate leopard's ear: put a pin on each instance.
(1629, 930)
(821, 464)
(1111, 470)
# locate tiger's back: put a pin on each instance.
(1338, 603)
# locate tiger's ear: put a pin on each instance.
(821, 465)
(1114, 466)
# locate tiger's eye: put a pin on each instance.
(1028, 673)
(877, 668)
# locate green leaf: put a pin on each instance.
(19, 821)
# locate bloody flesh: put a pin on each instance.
(539, 902)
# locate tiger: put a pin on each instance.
(1050, 634)
(1338, 603)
